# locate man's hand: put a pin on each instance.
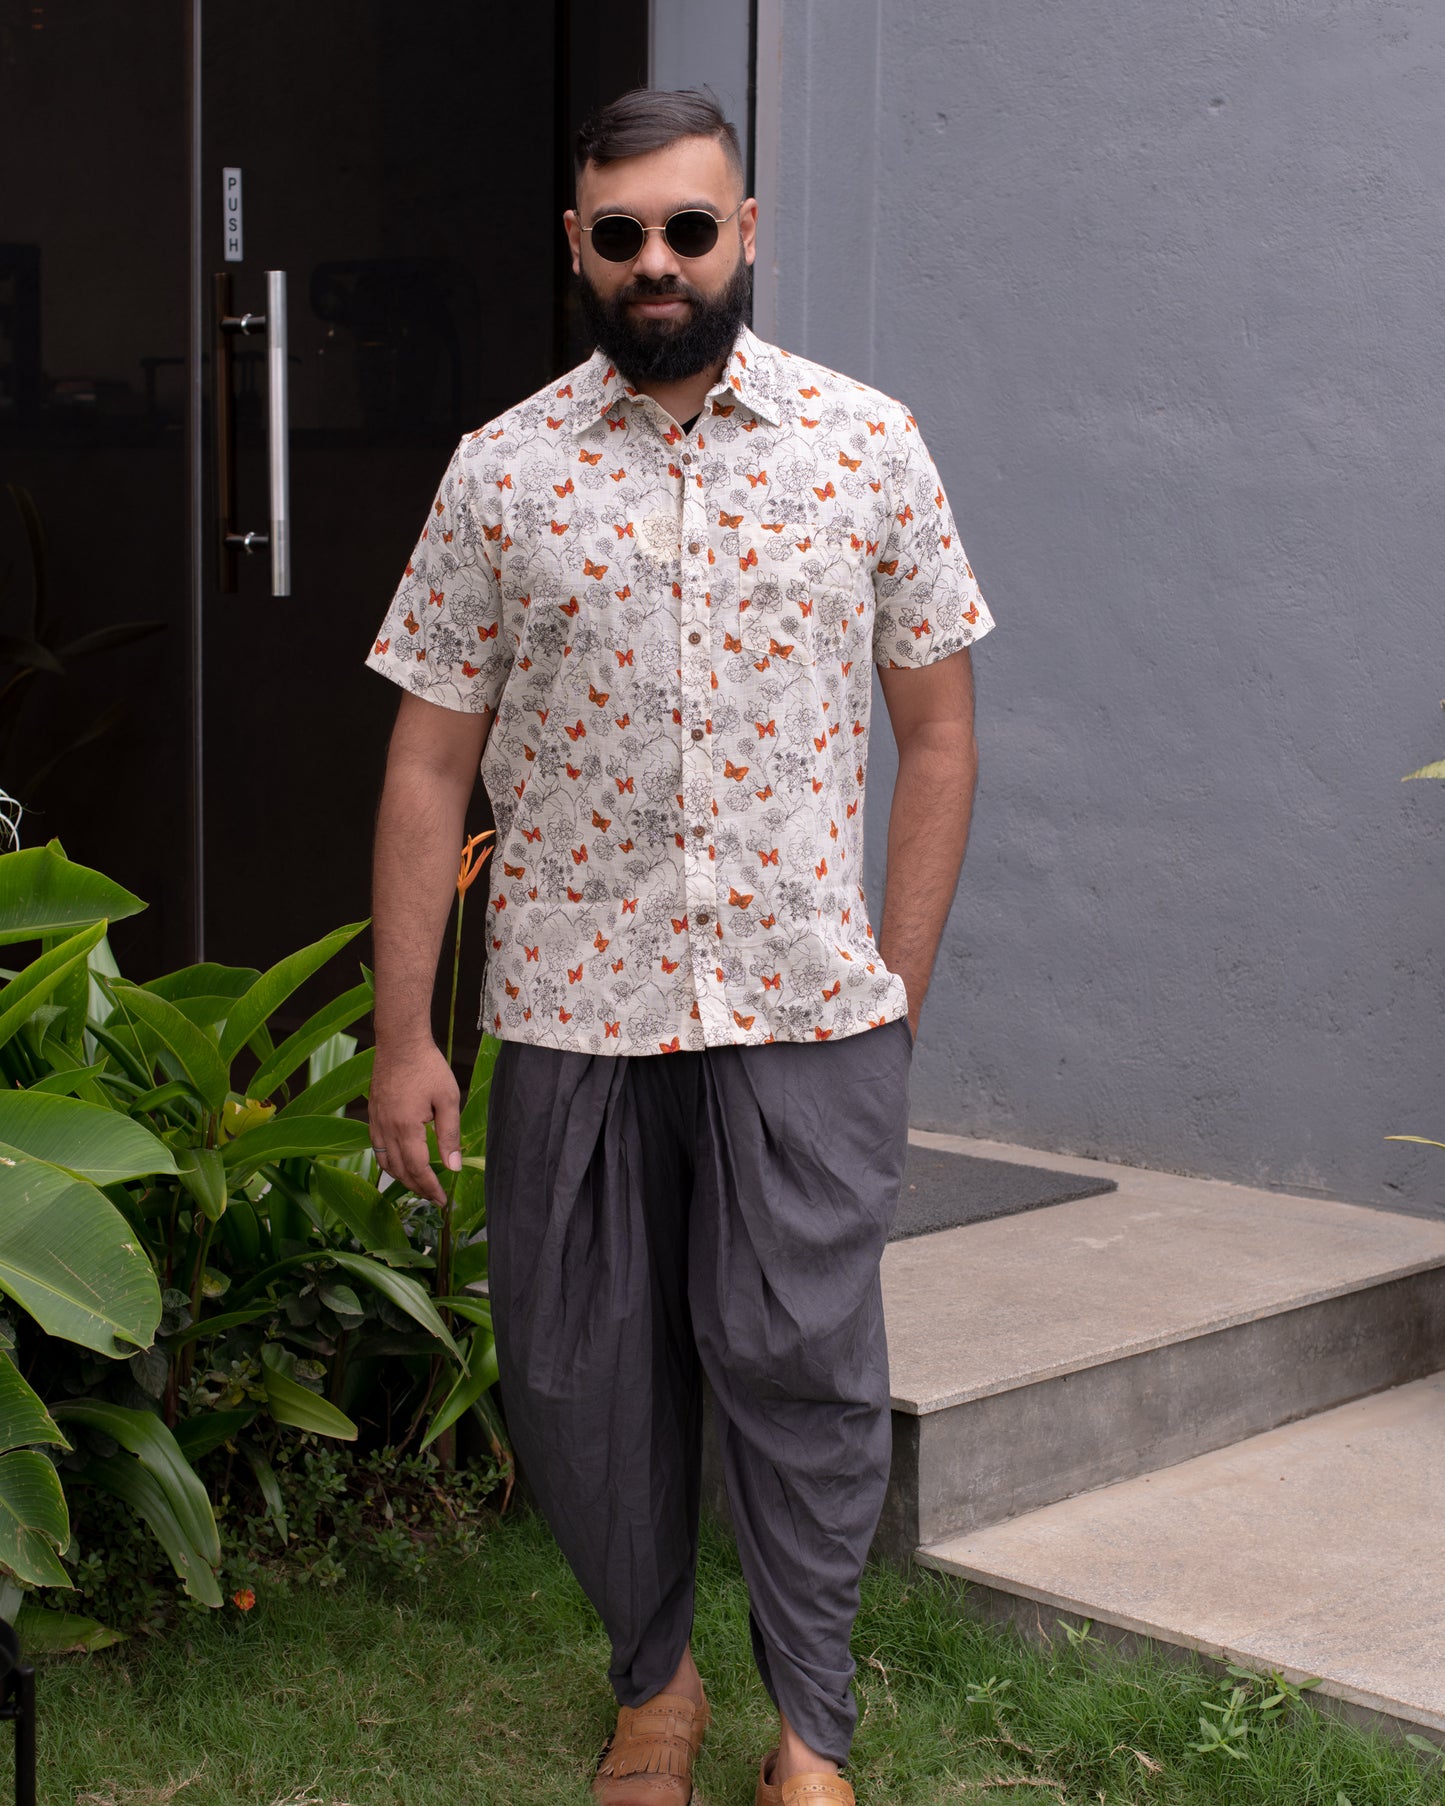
(431, 768)
(931, 713)
(411, 1087)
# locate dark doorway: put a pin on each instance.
(406, 168)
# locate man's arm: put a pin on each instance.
(431, 766)
(931, 711)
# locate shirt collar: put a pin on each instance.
(751, 374)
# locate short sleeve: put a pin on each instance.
(443, 636)
(927, 601)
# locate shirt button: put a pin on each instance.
(699, 831)
(702, 916)
(695, 547)
(697, 733)
(687, 457)
(693, 637)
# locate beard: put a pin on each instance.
(667, 351)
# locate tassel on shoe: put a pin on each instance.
(657, 1743)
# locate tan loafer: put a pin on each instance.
(809, 1789)
(648, 1759)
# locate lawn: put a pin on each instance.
(483, 1683)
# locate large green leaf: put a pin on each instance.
(198, 1435)
(370, 1217)
(152, 1444)
(1437, 770)
(292, 1404)
(205, 980)
(203, 1173)
(62, 1633)
(69, 1257)
(335, 1090)
(281, 1138)
(402, 1291)
(137, 1487)
(43, 892)
(86, 1139)
(296, 1049)
(272, 988)
(29, 988)
(34, 1524)
(202, 1064)
(23, 1419)
(482, 1373)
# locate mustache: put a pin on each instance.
(662, 288)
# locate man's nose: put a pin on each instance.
(656, 259)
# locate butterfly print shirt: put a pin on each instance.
(676, 632)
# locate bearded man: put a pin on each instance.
(650, 600)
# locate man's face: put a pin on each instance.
(662, 317)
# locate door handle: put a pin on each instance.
(230, 542)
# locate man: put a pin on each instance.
(664, 582)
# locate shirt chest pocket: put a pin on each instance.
(798, 586)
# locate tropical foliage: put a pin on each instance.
(196, 1247)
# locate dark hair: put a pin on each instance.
(649, 119)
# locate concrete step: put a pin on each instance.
(1315, 1549)
(1045, 1354)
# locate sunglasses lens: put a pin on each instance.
(692, 234)
(616, 237)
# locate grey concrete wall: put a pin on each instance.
(1163, 283)
(696, 45)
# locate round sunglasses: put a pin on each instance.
(692, 233)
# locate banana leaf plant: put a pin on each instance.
(195, 1235)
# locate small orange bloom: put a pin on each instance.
(472, 860)
(245, 1599)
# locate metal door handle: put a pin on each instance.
(278, 420)
(229, 541)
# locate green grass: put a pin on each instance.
(484, 1684)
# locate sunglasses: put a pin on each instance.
(692, 233)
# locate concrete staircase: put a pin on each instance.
(1196, 1412)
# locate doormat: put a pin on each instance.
(942, 1190)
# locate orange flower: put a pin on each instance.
(245, 1599)
(472, 860)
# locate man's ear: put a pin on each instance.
(572, 225)
(748, 226)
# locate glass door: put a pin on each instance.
(406, 168)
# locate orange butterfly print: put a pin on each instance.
(531, 834)
(383, 646)
(488, 633)
(809, 394)
(730, 644)
(593, 570)
(618, 964)
(761, 477)
(531, 952)
(564, 488)
(767, 921)
(837, 986)
(739, 899)
(573, 896)
(512, 990)
(629, 906)
(734, 771)
(570, 606)
(729, 520)
(877, 426)
(773, 982)
(492, 533)
(611, 1028)
(766, 727)
(624, 531)
(847, 462)
(763, 794)
(670, 965)
(618, 474)
(779, 651)
(602, 822)
(743, 1021)
(600, 941)
(554, 424)
(624, 658)
(573, 771)
(749, 561)
(564, 1015)
(768, 858)
(624, 720)
(623, 783)
(596, 696)
(826, 493)
(587, 457)
(820, 870)
(412, 624)
(803, 420)
(671, 1046)
(925, 627)
(574, 974)
(575, 733)
(579, 854)
(678, 924)
(623, 593)
(559, 527)
(514, 871)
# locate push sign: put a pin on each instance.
(231, 187)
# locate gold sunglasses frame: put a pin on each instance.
(663, 229)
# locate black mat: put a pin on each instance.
(942, 1190)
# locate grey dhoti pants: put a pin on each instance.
(652, 1218)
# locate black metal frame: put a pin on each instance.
(17, 1703)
